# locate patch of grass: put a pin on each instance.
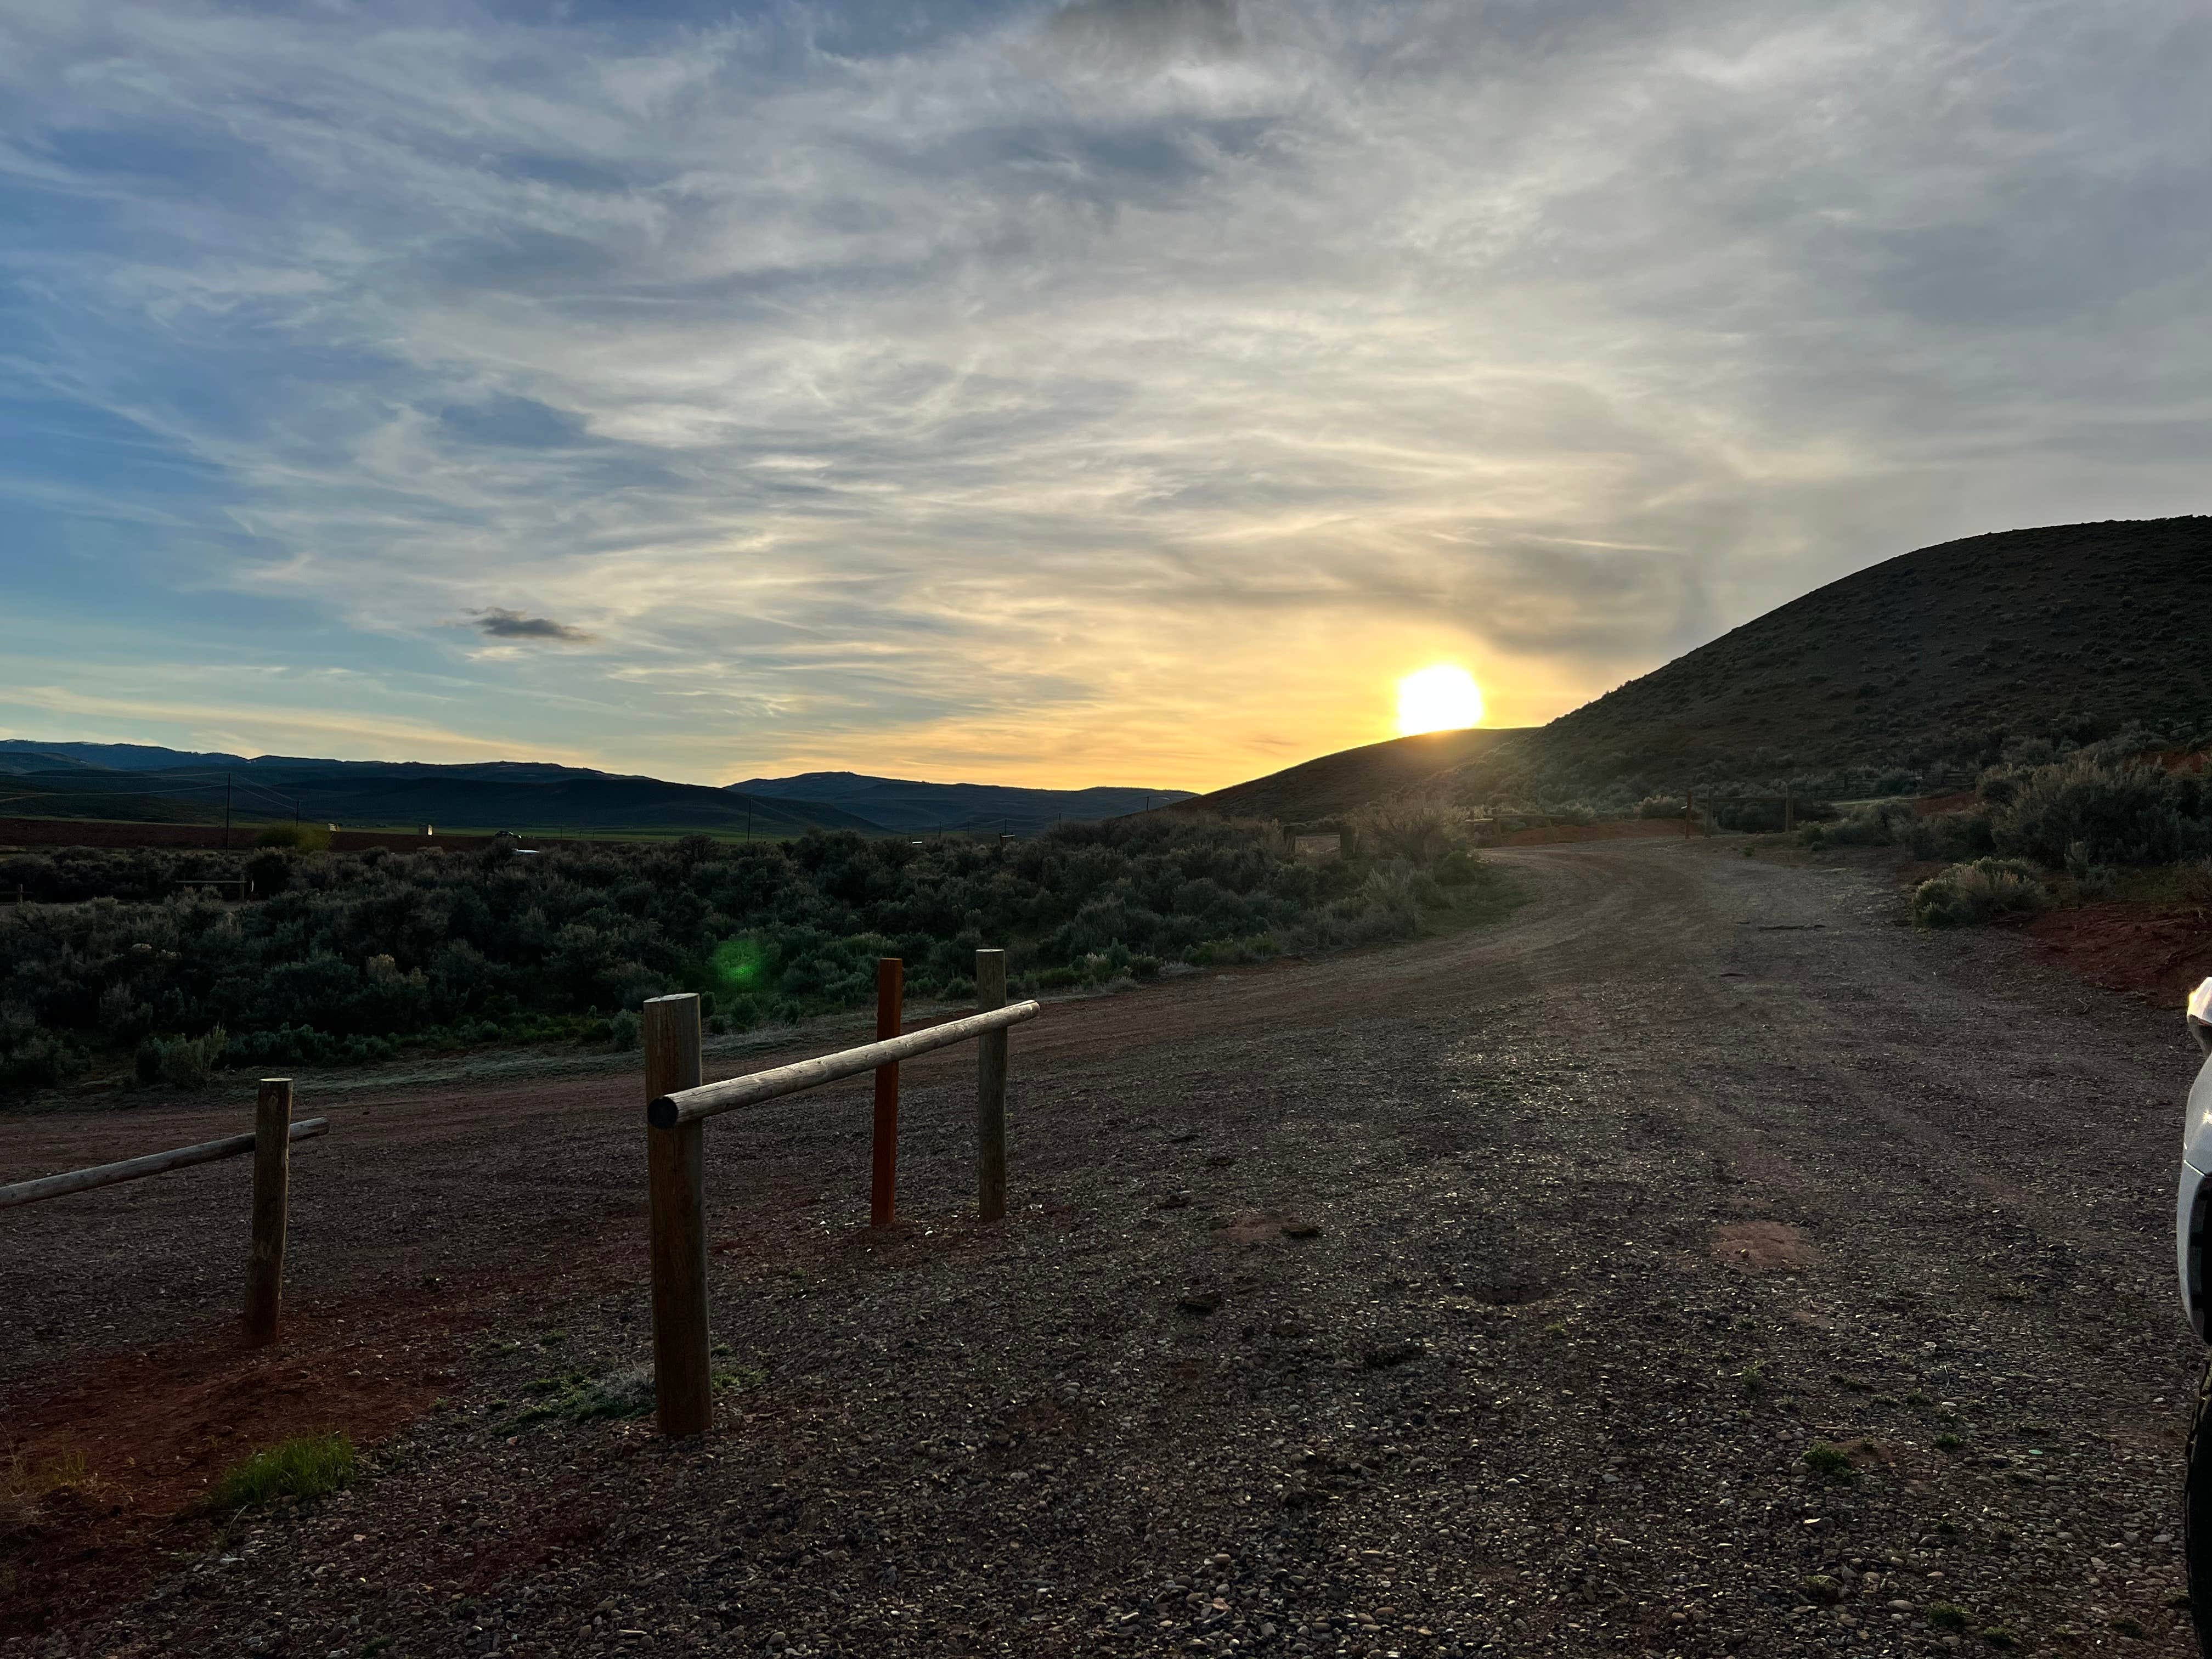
(24, 1484)
(1831, 1463)
(1997, 1636)
(2127, 1626)
(306, 1465)
(1752, 1379)
(1945, 1615)
(1948, 1442)
(577, 1398)
(744, 1378)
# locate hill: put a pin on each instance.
(1938, 657)
(141, 783)
(1337, 783)
(578, 802)
(907, 805)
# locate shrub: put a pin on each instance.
(1953, 837)
(1969, 893)
(2195, 884)
(2121, 812)
(1881, 823)
(358, 950)
(622, 1031)
(307, 1466)
(1660, 807)
(1831, 1461)
(1417, 831)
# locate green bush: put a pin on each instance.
(622, 1031)
(181, 1062)
(357, 952)
(1969, 893)
(1951, 836)
(307, 1466)
(1660, 807)
(2124, 812)
(1879, 824)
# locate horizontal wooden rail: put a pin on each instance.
(690, 1105)
(132, 1169)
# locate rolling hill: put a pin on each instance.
(1933, 659)
(904, 804)
(1336, 783)
(142, 784)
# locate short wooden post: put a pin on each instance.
(890, 1000)
(272, 1172)
(675, 1164)
(991, 1091)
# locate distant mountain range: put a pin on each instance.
(145, 784)
(901, 803)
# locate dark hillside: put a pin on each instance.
(1934, 658)
(916, 807)
(576, 802)
(1336, 783)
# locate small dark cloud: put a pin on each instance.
(500, 624)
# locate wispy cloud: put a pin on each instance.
(1128, 388)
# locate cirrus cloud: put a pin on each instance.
(1132, 388)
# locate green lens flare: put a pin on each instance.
(739, 963)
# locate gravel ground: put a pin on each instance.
(1481, 1296)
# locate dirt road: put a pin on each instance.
(1697, 1164)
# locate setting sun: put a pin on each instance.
(1439, 699)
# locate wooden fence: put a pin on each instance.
(270, 1143)
(678, 1106)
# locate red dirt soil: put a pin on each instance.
(158, 1427)
(2156, 951)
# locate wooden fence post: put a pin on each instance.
(883, 1188)
(991, 1091)
(683, 1390)
(272, 1170)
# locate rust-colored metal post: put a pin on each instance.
(991, 1091)
(675, 1162)
(273, 1174)
(890, 1001)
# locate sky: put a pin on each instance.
(1118, 392)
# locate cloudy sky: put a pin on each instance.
(1127, 391)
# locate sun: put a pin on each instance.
(1443, 698)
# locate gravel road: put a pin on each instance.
(1484, 1295)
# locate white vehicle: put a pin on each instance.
(2189, 1217)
